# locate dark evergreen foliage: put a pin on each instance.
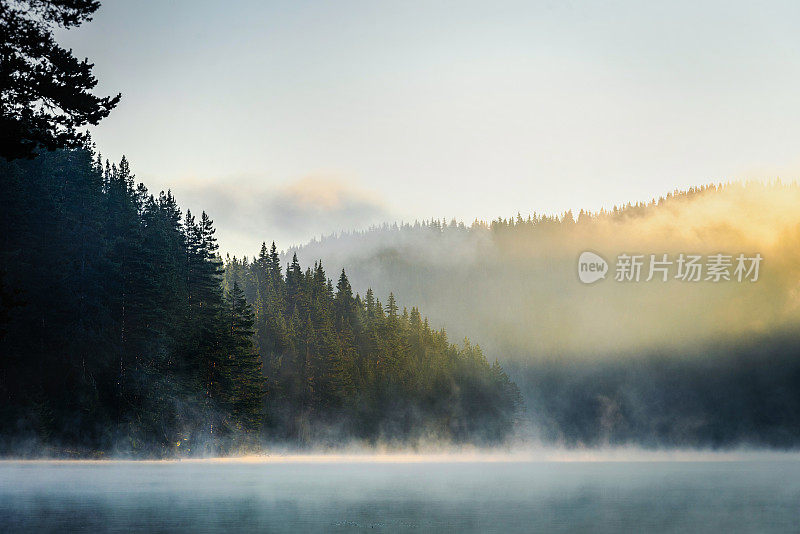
(116, 331)
(120, 331)
(339, 366)
(45, 91)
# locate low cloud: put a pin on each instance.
(247, 212)
(315, 205)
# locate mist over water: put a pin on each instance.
(550, 491)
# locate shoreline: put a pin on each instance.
(617, 455)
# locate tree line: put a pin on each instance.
(116, 332)
(121, 330)
(340, 365)
(674, 364)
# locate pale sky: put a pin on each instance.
(286, 120)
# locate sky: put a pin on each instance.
(290, 120)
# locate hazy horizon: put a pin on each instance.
(287, 121)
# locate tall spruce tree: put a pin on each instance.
(243, 363)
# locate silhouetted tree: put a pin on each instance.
(45, 91)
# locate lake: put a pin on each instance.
(493, 493)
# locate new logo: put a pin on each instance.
(591, 267)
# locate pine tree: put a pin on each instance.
(294, 284)
(45, 89)
(345, 304)
(245, 373)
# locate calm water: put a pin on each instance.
(344, 496)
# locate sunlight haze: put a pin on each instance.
(414, 110)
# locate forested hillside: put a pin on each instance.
(338, 365)
(116, 334)
(658, 362)
(512, 282)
